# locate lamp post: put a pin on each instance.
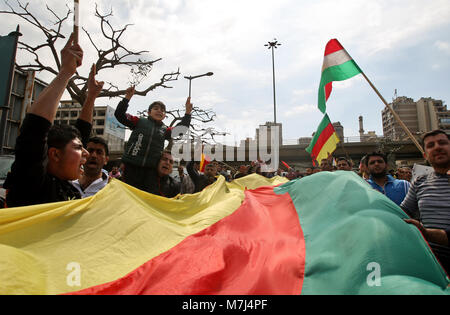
(195, 77)
(272, 45)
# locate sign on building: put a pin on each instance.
(112, 126)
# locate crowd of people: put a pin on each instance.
(63, 162)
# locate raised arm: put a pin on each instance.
(94, 89)
(185, 122)
(48, 101)
(121, 110)
(193, 174)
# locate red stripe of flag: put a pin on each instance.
(230, 257)
(323, 138)
(332, 46)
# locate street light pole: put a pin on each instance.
(190, 78)
(272, 45)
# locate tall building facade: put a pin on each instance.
(104, 123)
(420, 117)
(432, 114)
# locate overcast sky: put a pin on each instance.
(401, 45)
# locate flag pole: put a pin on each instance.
(397, 118)
(76, 19)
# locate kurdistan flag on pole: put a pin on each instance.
(324, 141)
(337, 66)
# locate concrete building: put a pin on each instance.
(25, 89)
(420, 117)
(406, 109)
(104, 124)
(269, 126)
(432, 115)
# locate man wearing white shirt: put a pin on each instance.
(95, 177)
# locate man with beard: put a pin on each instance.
(428, 200)
(94, 177)
(394, 189)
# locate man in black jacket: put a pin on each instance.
(162, 183)
(48, 158)
(202, 180)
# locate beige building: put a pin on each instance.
(104, 123)
(267, 130)
(432, 115)
(422, 116)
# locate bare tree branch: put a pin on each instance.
(107, 57)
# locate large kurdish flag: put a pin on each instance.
(318, 235)
(337, 66)
(324, 141)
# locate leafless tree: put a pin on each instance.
(198, 130)
(116, 54)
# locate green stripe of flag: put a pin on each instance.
(356, 241)
(336, 73)
(323, 124)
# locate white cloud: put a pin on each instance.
(300, 109)
(443, 46)
(302, 92)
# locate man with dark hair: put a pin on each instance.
(428, 200)
(404, 173)
(326, 166)
(202, 180)
(164, 185)
(343, 164)
(115, 172)
(243, 171)
(146, 143)
(49, 158)
(394, 189)
(94, 177)
(441, 134)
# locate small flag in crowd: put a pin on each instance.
(205, 160)
(285, 164)
(337, 66)
(324, 141)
